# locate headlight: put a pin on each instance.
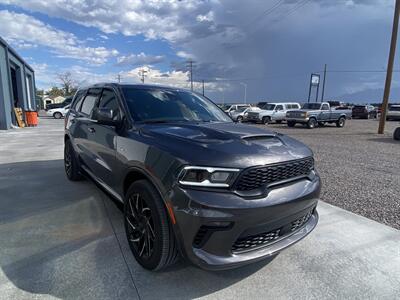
(304, 114)
(207, 176)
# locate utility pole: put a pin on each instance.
(203, 86)
(142, 74)
(323, 85)
(190, 62)
(245, 92)
(389, 71)
(309, 89)
(119, 78)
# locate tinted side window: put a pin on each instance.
(279, 107)
(90, 101)
(109, 100)
(78, 99)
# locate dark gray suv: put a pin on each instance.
(193, 183)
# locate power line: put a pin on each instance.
(266, 12)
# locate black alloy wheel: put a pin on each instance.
(148, 227)
(141, 232)
(71, 163)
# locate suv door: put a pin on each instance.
(83, 127)
(103, 140)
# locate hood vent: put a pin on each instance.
(257, 137)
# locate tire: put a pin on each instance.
(266, 120)
(240, 119)
(291, 123)
(396, 134)
(340, 123)
(57, 115)
(71, 162)
(312, 123)
(278, 121)
(148, 227)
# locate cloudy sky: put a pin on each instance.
(270, 46)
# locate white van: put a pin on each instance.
(272, 112)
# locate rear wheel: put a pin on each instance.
(71, 163)
(312, 123)
(291, 123)
(396, 134)
(340, 123)
(240, 119)
(266, 120)
(148, 228)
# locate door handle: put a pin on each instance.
(91, 130)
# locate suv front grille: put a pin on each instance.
(263, 239)
(257, 177)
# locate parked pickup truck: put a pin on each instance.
(314, 114)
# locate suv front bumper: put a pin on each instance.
(209, 224)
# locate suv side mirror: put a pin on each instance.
(105, 116)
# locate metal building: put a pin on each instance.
(17, 85)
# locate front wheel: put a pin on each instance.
(396, 134)
(266, 120)
(57, 115)
(340, 123)
(240, 119)
(148, 228)
(291, 123)
(312, 123)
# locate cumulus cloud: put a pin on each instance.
(25, 31)
(273, 46)
(139, 59)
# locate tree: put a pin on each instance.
(55, 92)
(67, 83)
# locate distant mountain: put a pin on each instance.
(371, 96)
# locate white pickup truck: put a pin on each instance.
(271, 112)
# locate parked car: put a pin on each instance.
(193, 182)
(364, 112)
(235, 107)
(66, 102)
(314, 114)
(393, 113)
(272, 112)
(58, 113)
(240, 115)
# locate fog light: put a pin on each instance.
(220, 176)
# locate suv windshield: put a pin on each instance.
(269, 106)
(163, 105)
(311, 105)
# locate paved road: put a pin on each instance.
(65, 240)
(359, 168)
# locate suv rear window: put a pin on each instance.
(90, 101)
(78, 99)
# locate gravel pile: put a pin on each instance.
(360, 169)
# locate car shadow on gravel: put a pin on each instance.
(387, 140)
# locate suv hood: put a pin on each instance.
(223, 144)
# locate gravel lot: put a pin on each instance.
(359, 168)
